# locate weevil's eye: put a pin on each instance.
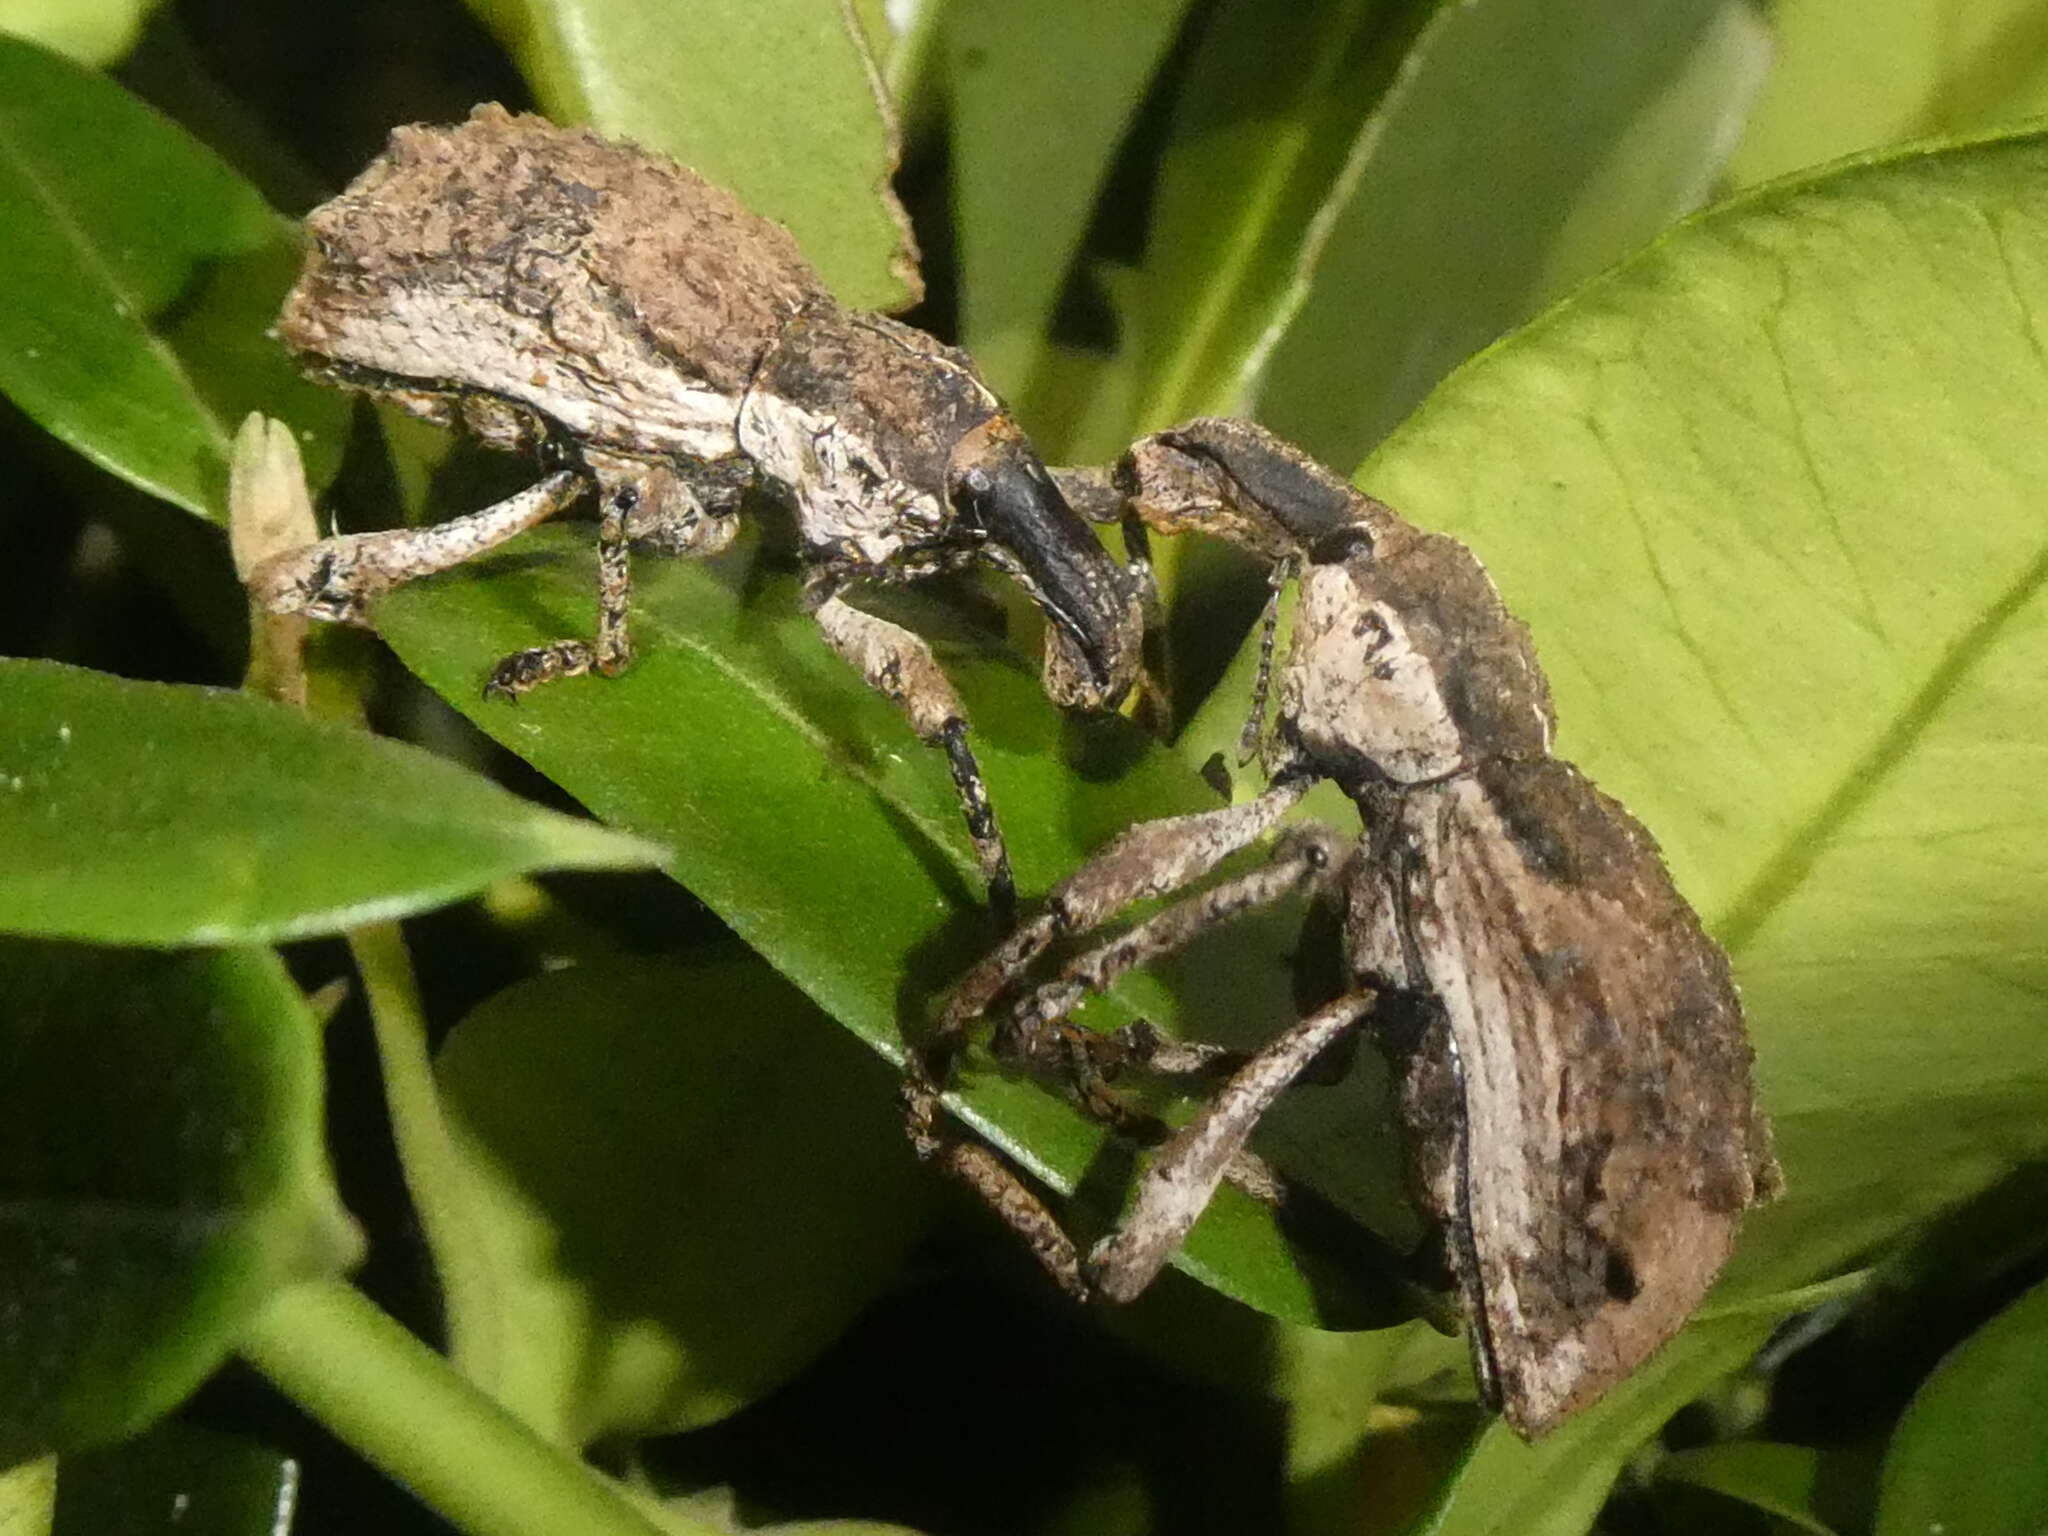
(979, 481)
(1373, 630)
(1351, 541)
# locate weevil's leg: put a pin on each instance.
(525, 670)
(1001, 1188)
(338, 578)
(1036, 1027)
(1182, 1179)
(1252, 736)
(1302, 855)
(1154, 858)
(900, 666)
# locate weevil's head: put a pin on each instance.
(1094, 608)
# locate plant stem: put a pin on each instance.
(404, 1408)
(435, 1174)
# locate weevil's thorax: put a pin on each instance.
(1406, 668)
(528, 280)
(858, 417)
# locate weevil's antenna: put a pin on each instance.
(1250, 738)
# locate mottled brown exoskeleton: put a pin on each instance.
(1575, 1082)
(656, 343)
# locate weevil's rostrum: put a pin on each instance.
(1575, 1080)
(554, 292)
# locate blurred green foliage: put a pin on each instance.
(1766, 486)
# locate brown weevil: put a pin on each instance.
(657, 344)
(1575, 1082)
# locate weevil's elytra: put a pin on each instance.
(556, 293)
(1575, 1082)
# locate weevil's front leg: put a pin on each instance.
(1303, 855)
(1154, 858)
(1182, 1180)
(1037, 1026)
(337, 579)
(900, 666)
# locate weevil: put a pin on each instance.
(1575, 1082)
(660, 346)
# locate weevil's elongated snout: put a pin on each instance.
(1095, 620)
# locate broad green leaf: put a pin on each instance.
(1778, 1479)
(140, 275)
(1769, 500)
(1857, 75)
(802, 810)
(776, 99)
(28, 1498)
(1075, 71)
(161, 1152)
(687, 1182)
(195, 1480)
(1768, 497)
(1261, 131)
(152, 813)
(1525, 147)
(1555, 1487)
(94, 32)
(1967, 1455)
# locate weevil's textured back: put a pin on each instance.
(1609, 1116)
(598, 285)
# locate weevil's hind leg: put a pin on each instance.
(900, 666)
(523, 671)
(337, 579)
(1178, 1186)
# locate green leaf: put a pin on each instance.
(776, 99)
(1779, 1479)
(1273, 100)
(1966, 1457)
(140, 275)
(802, 810)
(1555, 1487)
(687, 1183)
(1075, 70)
(1852, 75)
(194, 1479)
(1525, 147)
(28, 1498)
(149, 813)
(1769, 499)
(94, 32)
(161, 1153)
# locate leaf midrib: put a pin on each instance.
(1796, 857)
(129, 300)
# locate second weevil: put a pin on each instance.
(659, 345)
(1581, 1124)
